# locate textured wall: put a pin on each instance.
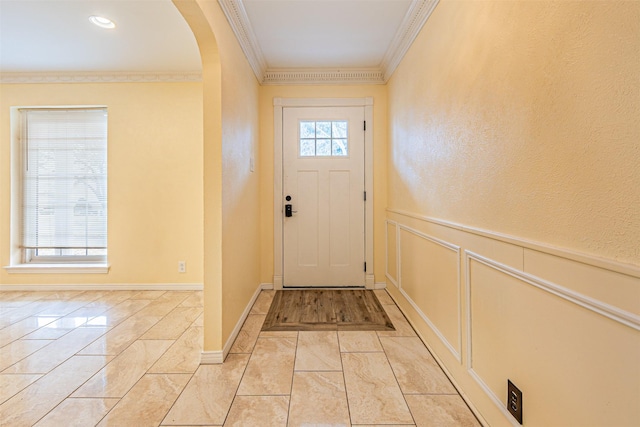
(240, 189)
(155, 178)
(522, 118)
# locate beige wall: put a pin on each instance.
(514, 110)
(240, 186)
(155, 178)
(267, 94)
(513, 171)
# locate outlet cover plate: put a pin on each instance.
(514, 401)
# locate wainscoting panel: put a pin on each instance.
(563, 326)
(610, 287)
(430, 280)
(392, 252)
(551, 347)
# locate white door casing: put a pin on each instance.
(335, 256)
(323, 183)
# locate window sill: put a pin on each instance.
(97, 268)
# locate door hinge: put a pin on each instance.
(365, 125)
(365, 267)
(365, 196)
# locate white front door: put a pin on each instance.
(323, 182)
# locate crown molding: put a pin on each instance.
(322, 76)
(239, 21)
(414, 20)
(417, 14)
(101, 77)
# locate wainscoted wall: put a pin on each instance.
(562, 326)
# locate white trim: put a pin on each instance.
(607, 264)
(106, 287)
(239, 21)
(414, 20)
(323, 102)
(217, 357)
(37, 268)
(456, 249)
(369, 281)
(614, 313)
(278, 105)
(499, 404)
(211, 358)
(380, 285)
(623, 317)
(442, 366)
(278, 267)
(369, 190)
(101, 77)
(241, 320)
(323, 76)
(393, 280)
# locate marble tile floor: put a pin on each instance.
(131, 358)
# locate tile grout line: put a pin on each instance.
(293, 373)
(74, 390)
(397, 382)
(344, 381)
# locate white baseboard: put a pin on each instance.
(380, 285)
(369, 282)
(211, 358)
(277, 282)
(106, 287)
(243, 317)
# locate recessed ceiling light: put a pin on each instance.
(102, 22)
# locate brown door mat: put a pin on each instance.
(326, 310)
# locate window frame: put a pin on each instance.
(24, 259)
(329, 138)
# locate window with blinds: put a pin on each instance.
(64, 184)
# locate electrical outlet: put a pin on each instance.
(514, 401)
(182, 267)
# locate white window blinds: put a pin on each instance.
(64, 182)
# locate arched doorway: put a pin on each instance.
(212, 167)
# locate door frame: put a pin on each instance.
(278, 215)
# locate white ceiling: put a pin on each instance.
(331, 38)
(56, 36)
(325, 33)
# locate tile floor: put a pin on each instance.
(131, 358)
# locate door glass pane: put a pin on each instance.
(339, 129)
(323, 147)
(307, 147)
(323, 129)
(307, 129)
(324, 138)
(339, 147)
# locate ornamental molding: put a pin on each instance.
(310, 76)
(239, 21)
(415, 18)
(100, 77)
